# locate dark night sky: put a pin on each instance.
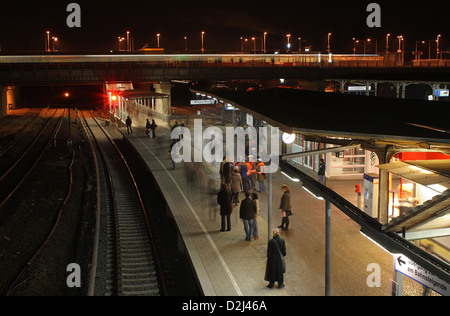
(23, 24)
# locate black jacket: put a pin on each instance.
(248, 209)
(224, 200)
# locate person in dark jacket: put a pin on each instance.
(285, 206)
(275, 267)
(224, 200)
(248, 215)
(153, 127)
(322, 171)
(128, 122)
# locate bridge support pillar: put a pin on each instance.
(163, 105)
(8, 99)
(383, 198)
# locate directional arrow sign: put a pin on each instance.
(400, 261)
(407, 267)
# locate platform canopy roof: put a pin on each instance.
(373, 120)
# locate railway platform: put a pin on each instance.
(227, 265)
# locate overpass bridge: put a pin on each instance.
(51, 69)
(140, 68)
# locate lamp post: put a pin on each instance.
(437, 47)
(128, 41)
(120, 40)
(54, 41)
(387, 43)
(329, 46)
(376, 44)
(288, 36)
(358, 41)
(264, 49)
(185, 44)
(157, 39)
(203, 38)
(254, 45)
(47, 48)
(400, 39)
(354, 46)
(416, 51)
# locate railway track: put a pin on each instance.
(12, 178)
(132, 262)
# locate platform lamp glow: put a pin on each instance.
(288, 138)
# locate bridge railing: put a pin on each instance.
(217, 60)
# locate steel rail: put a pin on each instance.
(125, 227)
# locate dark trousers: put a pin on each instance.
(228, 220)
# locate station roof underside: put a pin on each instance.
(404, 122)
(380, 121)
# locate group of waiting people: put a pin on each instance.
(237, 178)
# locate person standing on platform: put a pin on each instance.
(276, 265)
(147, 128)
(247, 214)
(255, 222)
(261, 170)
(153, 127)
(245, 177)
(236, 185)
(285, 207)
(227, 171)
(128, 122)
(226, 207)
(322, 171)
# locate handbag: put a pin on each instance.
(283, 262)
(289, 213)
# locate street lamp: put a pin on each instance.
(48, 42)
(157, 39)
(354, 46)
(376, 44)
(437, 48)
(400, 39)
(288, 36)
(120, 39)
(185, 44)
(203, 38)
(358, 41)
(329, 46)
(254, 45)
(128, 40)
(416, 51)
(265, 35)
(55, 40)
(387, 43)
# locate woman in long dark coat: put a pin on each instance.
(276, 267)
(224, 200)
